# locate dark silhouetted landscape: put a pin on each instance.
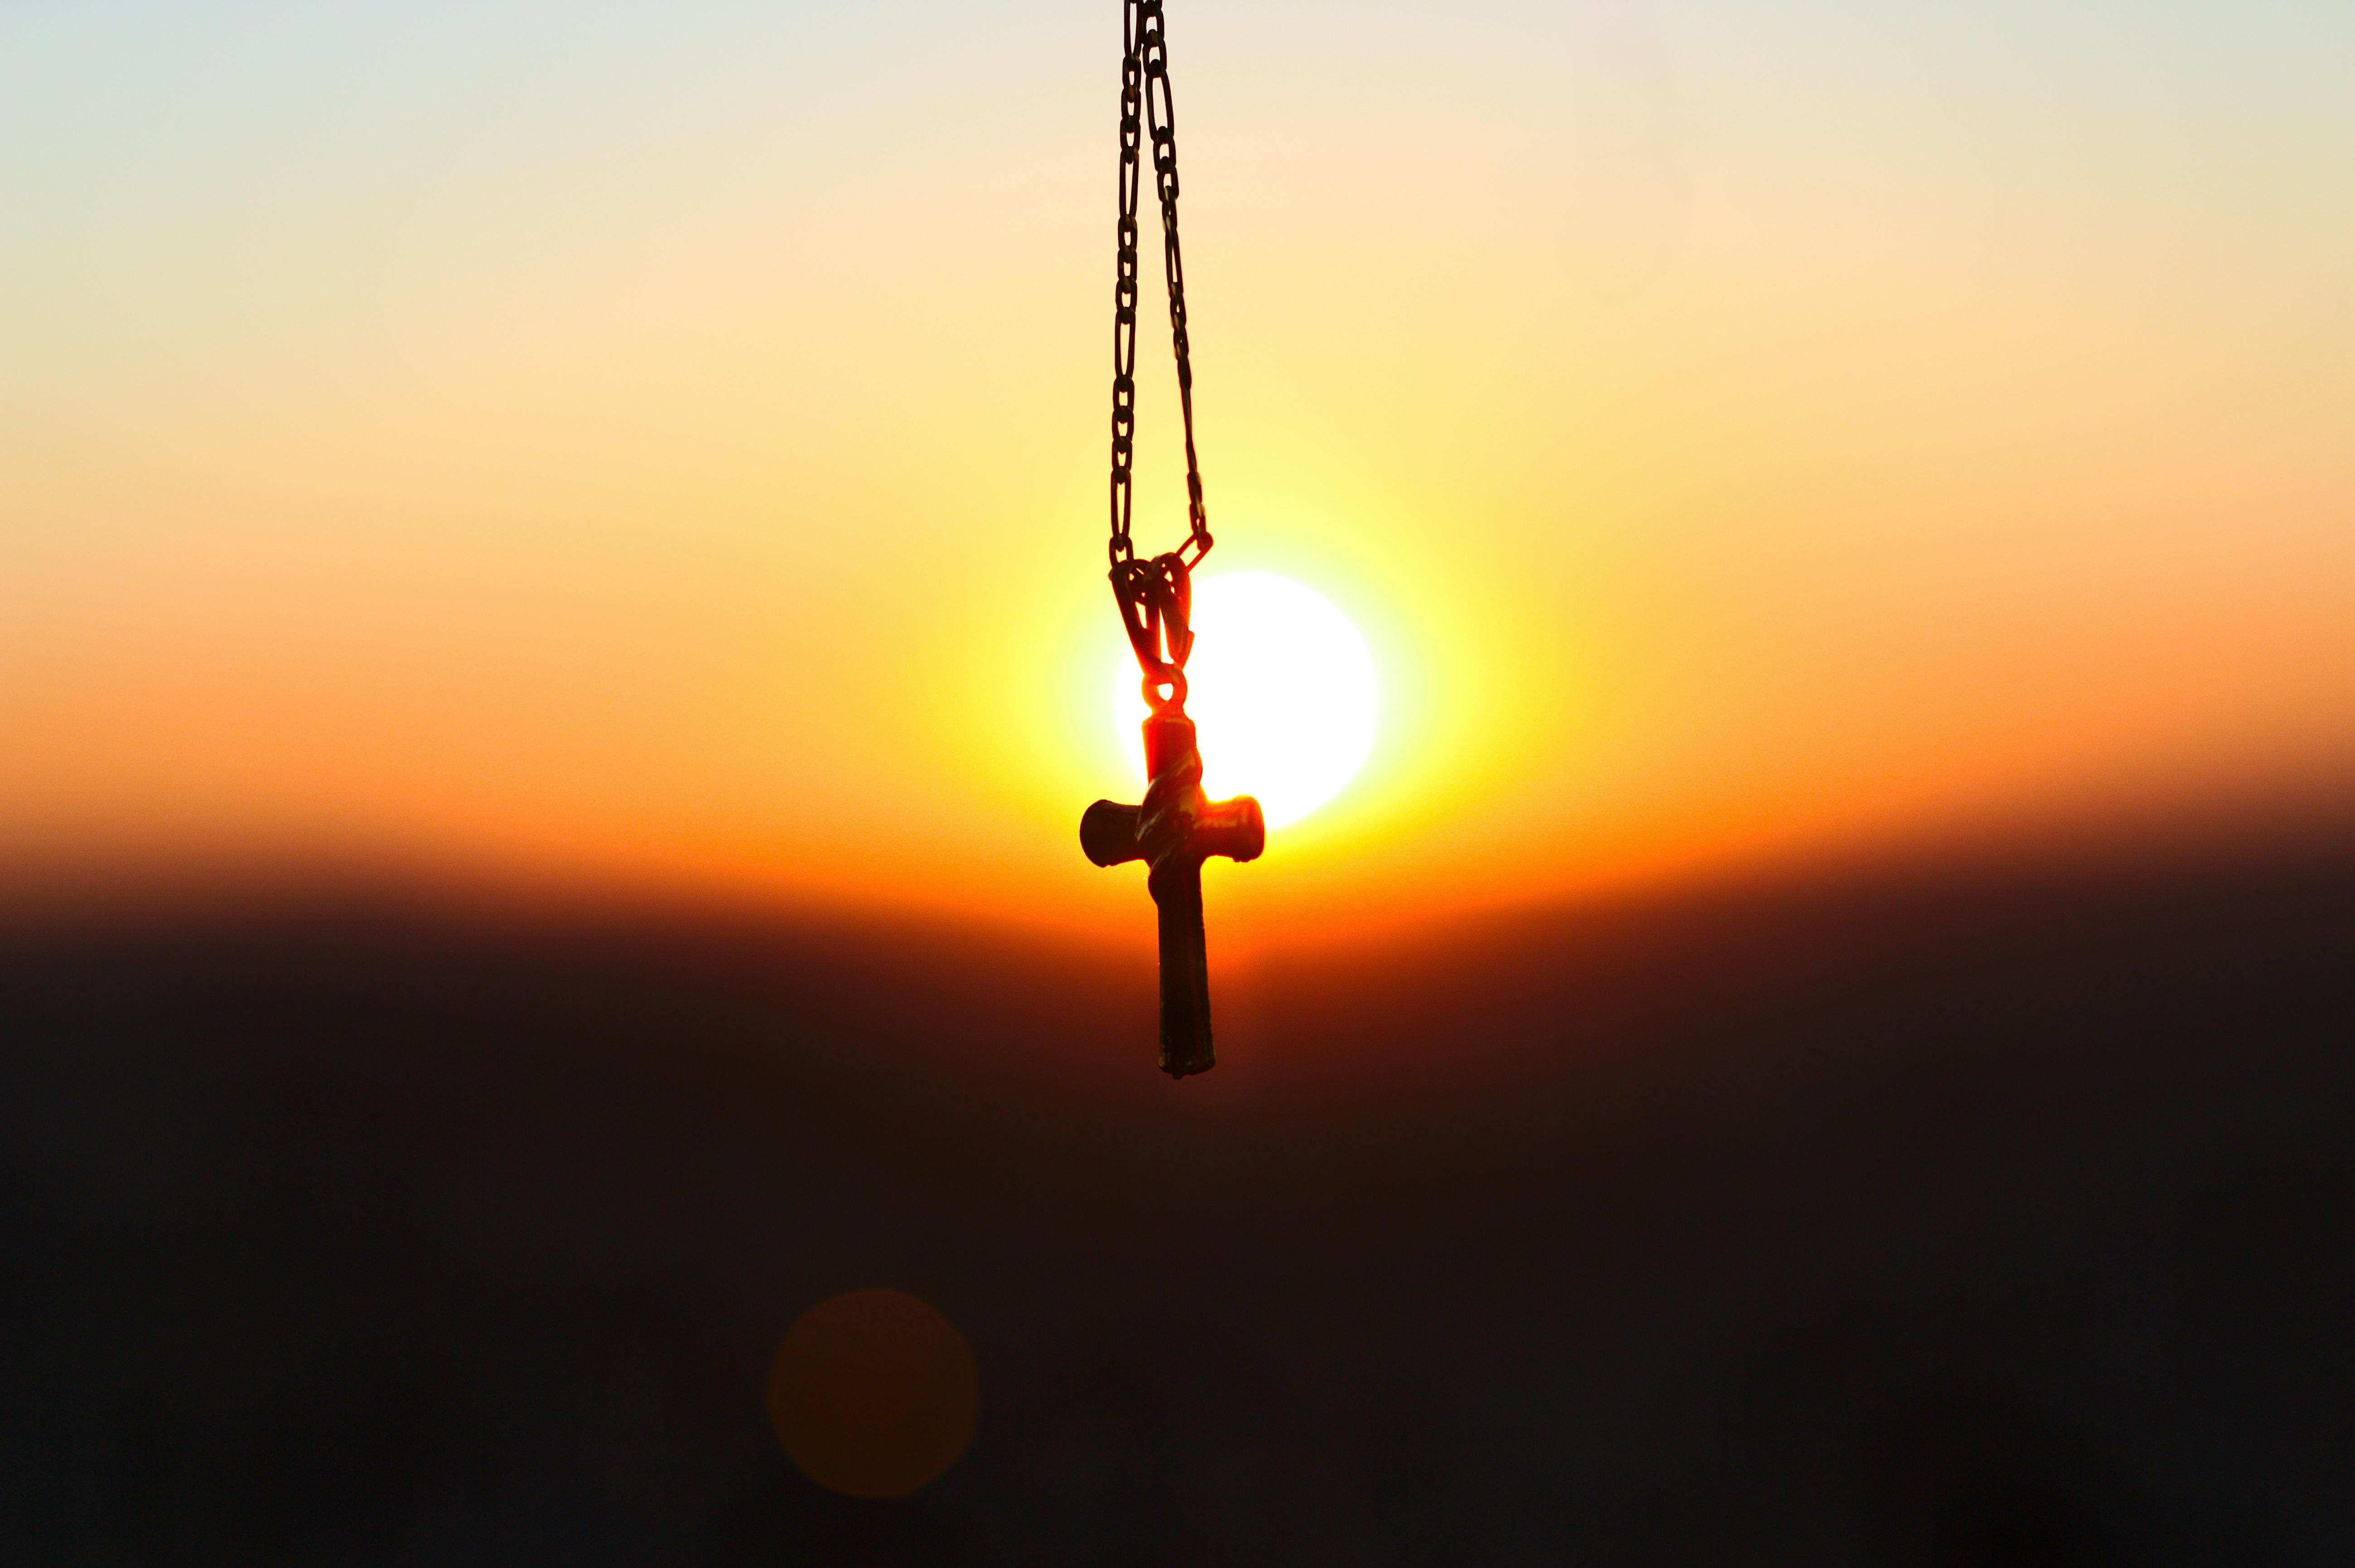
(1976, 1214)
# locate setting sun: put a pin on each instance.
(1282, 688)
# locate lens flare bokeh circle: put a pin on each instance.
(873, 1392)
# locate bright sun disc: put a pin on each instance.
(1281, 689)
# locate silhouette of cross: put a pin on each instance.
(1174, 830)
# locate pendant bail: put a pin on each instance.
(1157, 606)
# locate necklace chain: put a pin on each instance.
(1148, 113)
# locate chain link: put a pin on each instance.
(1149, 115)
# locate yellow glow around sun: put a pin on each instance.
(1280, 687)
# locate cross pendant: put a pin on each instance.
(1174, 830)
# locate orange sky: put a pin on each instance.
(666, 444)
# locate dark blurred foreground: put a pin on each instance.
(1974, 1218)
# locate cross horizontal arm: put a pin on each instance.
(1236, 829)
(1108, 834)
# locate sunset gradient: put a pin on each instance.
(661, 446)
